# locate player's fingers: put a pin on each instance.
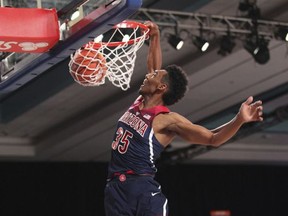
(257, 112)
(149, 24)
(260, 110)
(260, 113)
(249, 100)
(256, 104)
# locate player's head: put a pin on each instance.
(169, 83)
(177, 82)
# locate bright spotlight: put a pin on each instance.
(205, 47)
(201, 44)
(176, 42)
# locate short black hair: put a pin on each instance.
(177, 84)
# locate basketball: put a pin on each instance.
(88, 67)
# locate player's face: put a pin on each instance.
(152, 82)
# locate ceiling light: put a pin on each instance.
(176, 42)
(259, 50)
(75, 15)
(200, 43)
(226, 45)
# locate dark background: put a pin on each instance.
(52, 189)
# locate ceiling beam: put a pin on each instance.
(209, 22)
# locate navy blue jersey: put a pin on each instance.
(135, 147)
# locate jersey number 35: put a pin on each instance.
(121, 141)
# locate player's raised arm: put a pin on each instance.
(196, 134)
(154, 59)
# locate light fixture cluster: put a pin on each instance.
(255, 45)
(253, 32)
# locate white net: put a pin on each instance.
(113, 56)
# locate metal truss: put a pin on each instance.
(219, 24)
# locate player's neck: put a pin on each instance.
(150, 102)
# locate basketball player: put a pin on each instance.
(147, 127)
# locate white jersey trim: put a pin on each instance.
(165, 208)
(151, 147)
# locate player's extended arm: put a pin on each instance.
(154, 59)
(245, 108)
(196, 134)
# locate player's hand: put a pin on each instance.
(153, 28)
(250, 111)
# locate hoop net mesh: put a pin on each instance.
(115, 57)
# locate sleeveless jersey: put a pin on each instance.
(135, 147)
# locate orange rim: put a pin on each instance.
(124, 24)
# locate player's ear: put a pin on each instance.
(163, 86)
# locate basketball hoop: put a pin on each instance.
(118, 47)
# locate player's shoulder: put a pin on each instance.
(169, 117)
(171, 114)
(165, 121)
